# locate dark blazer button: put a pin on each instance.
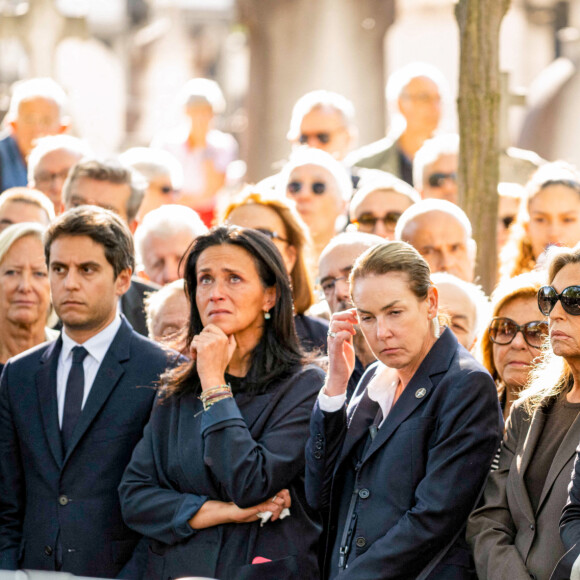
(318, 446)
(532, 527)
(317, 455)
(63, 500)
(364, 493)
(48, 550)
(361, 542)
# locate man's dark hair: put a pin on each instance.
(278, 353)
(101, 225)
(111, 171)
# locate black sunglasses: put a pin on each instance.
(368, 220)
(323, 138)
(503, 330)
(272, 235)
(569, 298)
(318, 187)
(437, 179)
(507, 221)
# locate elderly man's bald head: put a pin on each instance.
(441, 232)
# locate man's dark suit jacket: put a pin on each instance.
(418, 479)
(47, 499)
(132, 304)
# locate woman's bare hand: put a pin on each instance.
(341, 357)
(212, 350)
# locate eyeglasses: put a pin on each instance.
(166, 189)
(318, 187)
(507, 221)
(329, 285)
(272, 235)
(422, 97)
(47, 177)
(504, 330)
(368, 220)
(569, 298)
(438, 179)
(322, 137)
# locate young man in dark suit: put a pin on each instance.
(71, 411)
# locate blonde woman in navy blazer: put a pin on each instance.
(400, 469)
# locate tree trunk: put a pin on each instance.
(298, 46)
(478, 110)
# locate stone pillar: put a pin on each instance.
(299, 45)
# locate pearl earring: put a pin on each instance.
(267, 315)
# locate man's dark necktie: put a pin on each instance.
(73, 401)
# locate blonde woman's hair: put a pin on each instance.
(552, 376)
(394, 257)
(17, 231)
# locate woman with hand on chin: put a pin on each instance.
(401, 468)
(226, 441)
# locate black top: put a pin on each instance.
(243, 449)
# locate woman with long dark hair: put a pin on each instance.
(229, 431)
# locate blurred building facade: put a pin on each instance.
(123, 61)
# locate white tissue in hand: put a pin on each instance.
(265, 516)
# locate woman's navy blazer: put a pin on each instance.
(416, 483)
(244, 451)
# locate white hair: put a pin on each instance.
(400, 78)
(29, 196)
(199, 90)
(431, 205)
(475, 294)
(42, 87)
(386, 182)
(311, 156)
(326, 100)
(430, 152)
(351, 239)
(152, 163)
(165, 222)
(46, 145)
(155, 301)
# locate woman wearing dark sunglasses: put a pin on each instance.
(513, 338)
(514, 535)
(321, 187)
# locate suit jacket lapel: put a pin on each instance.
(418, 390)
(108, 375)
(360, 420)
(46, 388)
(565, 452)
(529, 446)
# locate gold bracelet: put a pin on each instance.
(206, 394)
(208, 404)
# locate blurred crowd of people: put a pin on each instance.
(294, 378)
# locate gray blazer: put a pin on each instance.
(508, 539)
